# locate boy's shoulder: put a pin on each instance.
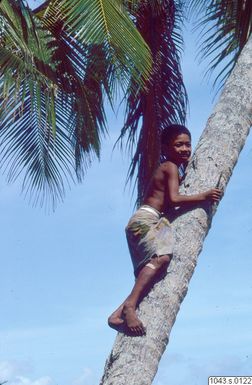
(168, 165)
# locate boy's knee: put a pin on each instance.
(161, 263)
(164, 261)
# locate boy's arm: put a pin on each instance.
(176, 199)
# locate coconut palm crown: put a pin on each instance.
(61, 61)
(225, 26)
(55, 70)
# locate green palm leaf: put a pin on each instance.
(25, 73)
(225, 28)
(85, 73)
(53, 79)
(106, 23)
(99, 66)
(46, 107)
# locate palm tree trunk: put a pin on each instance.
(134, 360)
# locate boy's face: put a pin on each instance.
(179, 148)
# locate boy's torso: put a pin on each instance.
(157, 195)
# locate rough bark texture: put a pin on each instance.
(134, 360)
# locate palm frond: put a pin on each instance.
(26, 73)
(96, 66)
(56, 66)
(106, 23)
(85, 72)
(225, 28)
(165, 100)
(51, 105)
(30, 148)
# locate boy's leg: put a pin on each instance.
(126, 313)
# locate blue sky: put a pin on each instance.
(64, 273)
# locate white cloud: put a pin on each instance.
(227, 366)
(87, 377)
(15, 373)
(19, 373)
(9, 369)
(197, 370)
(20, 380)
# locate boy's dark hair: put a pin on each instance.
(173, 130)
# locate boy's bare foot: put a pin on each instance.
(133, 323)
(125, 320)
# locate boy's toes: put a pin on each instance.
(137, 330)
(133, 330)
(141, 332)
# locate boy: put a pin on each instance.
(149, 232)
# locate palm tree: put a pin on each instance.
(57, 64)
(227, 26)
(55, 71)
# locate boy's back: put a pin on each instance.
(157, 195)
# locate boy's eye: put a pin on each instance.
(182, 144)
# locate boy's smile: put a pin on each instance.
(179, 149)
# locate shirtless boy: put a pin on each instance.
(149, 233)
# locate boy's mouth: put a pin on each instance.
(185, 155)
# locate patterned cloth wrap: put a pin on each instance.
(149, 234)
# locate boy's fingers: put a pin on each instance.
(216, 198)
